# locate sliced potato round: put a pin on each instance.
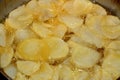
(27, 67)
(58, 48)
(6, 57)
(2, 35)
(114, 45)
(19, 18)
(23, 34)
(45, 73)
(111, 64)
(31, 49)
(11, 71)
(41, 30)
(71, 21)
(82, 56)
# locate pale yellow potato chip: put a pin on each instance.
(41, 30)
(27, 67)
(78, 7)
(45, 73)
(23, 34)
(58, 48)
(82, 56)
(71, 21)
(32, 49)
(114, 45)
(6, 57)
(20, 76)
(66, 73)
(98, 10)
(2, 35)
(111, 64)
(59, 31)
(11, 71)
(110, 27)
(19, 18)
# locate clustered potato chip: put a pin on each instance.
(60, 40)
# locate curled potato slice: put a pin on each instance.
(58, 48)
(31, 49)
(71, 21)
(2, 35)
(11, 71)
(45, 73)
(27, 67)
(6, 57)
(111, 64)
(23, 34)
(82, 56)
(19, 18)
(41, 30)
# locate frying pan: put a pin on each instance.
(8, 5)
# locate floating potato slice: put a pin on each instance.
(110, 27)
(6, 57)
(31, 49)
(2, 36)
(81, 75)
(48, 9)
(59, 31)
(41, 30)
(20, 76)
(82, 56)
(71, 21)
(45, 73)
(111, 64)
(66, 73)
(78, 7)
(81, 7)
(58, 48)
(86, 35)
(10, 71)
(98, 10)
(27, 67)
(34, 8)
(23, 34)
(19, 18)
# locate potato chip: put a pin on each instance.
(27, 67)
(59, 31)
(41, 30)
(31, 49)
(45, 73)
(2, 35)
(19, 18)
(6, 57)
(111, 64)
(71, 21)
(82, 56)
(11, 71)
(23, 34)
(58, 48)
